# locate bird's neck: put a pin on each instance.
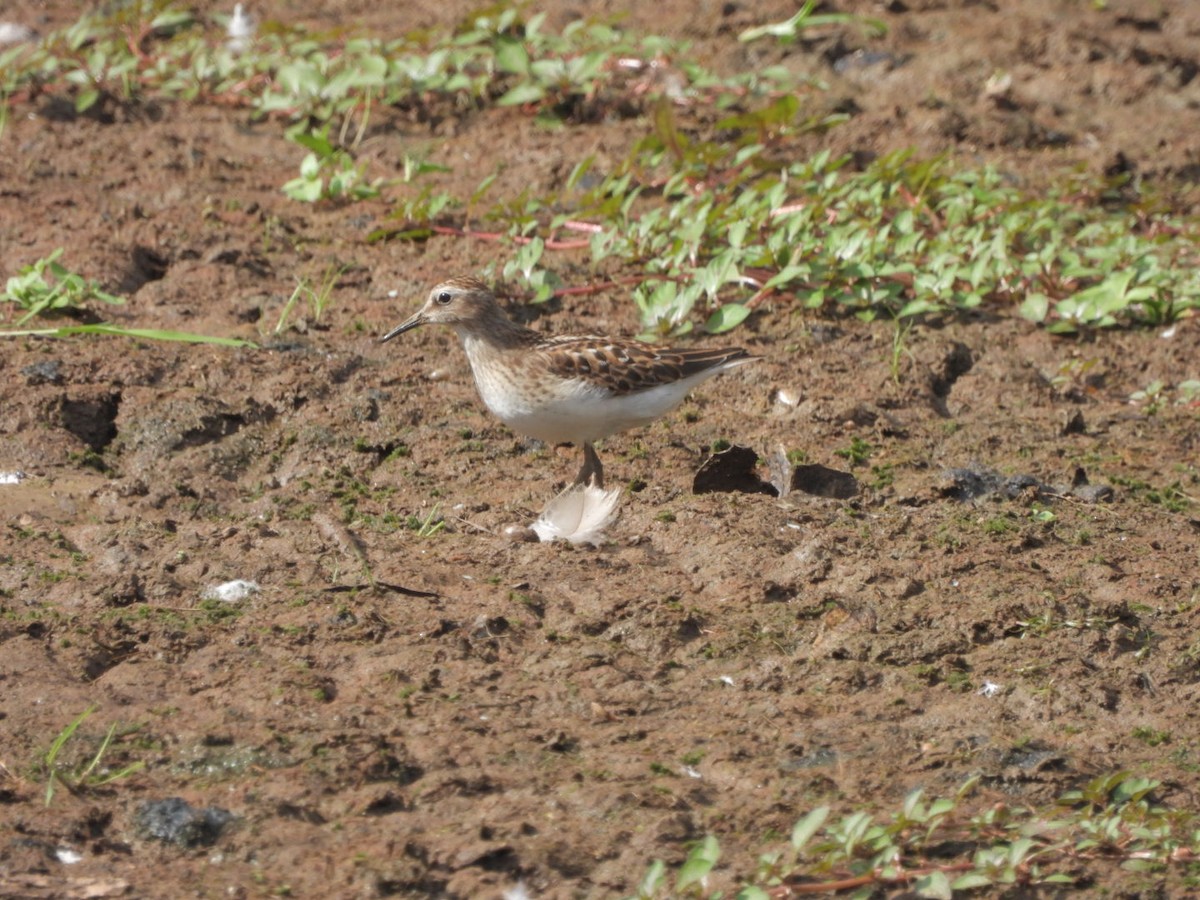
(496, 334)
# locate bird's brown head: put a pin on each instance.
(460, 302)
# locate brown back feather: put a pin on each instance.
(626, 367)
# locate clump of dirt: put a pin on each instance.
(907, 588)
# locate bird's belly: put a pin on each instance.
(577, 412)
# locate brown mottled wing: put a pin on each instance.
(626, 367)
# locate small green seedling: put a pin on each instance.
(82, 779)
(48, 286)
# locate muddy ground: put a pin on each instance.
(549, 714)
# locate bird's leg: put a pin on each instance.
(592, 471)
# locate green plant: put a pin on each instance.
(87, 776)
(1044, 624)
(320, 298)
(903, 238)
(1151, 397)
(716, 218)
(1041, 514)
(149, 334)
(525, 264)
(791, 29)
(328, 172)
(884, 476)
(797, 456)
(49, 287)
(64, 290)
(1188, 393)
(901, 329)
(430, 525)
(998, 526)
(857, 453)
(1151, 737)
(690, 878)
(939, 848)
(1172, 497)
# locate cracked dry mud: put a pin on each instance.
(501, 711)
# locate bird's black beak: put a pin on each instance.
(408, 324)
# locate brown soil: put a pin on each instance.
(542, 713)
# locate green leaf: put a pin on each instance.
(653, 879)
(1141, 865)
(479, 192)
(698, 864)
(726, 318)
(511, 56)
(405, 234)
(804, 830)
(1019, 849)
(304, 189)
(298, 78)
(752, 893)
(581, 168)
(940, 807)
(788, 274)
(917, 308)
(527, 92)
(316, 141)
(1035, 307)
(935, 886)
(911, 802)
(172, 20)
(787, 29)
(310, 166)
(970, 881)
(86, 100)
(1133, 789)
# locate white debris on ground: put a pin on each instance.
(231, 591)
(12, 477)
(15, 33)
(579, 515)
(517, 892)
(787, 397)
(989, 689)
(240, 29)
(67, 856)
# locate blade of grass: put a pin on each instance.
(151, 334)
(57, 745)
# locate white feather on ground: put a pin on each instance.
(15, 33)
(231, 591)
(579, 515)
(240, 29)
(517, 892)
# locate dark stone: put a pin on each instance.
(44, 372)
(175, 821)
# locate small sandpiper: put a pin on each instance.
(571, 388)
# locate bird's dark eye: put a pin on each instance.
(444, 297)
